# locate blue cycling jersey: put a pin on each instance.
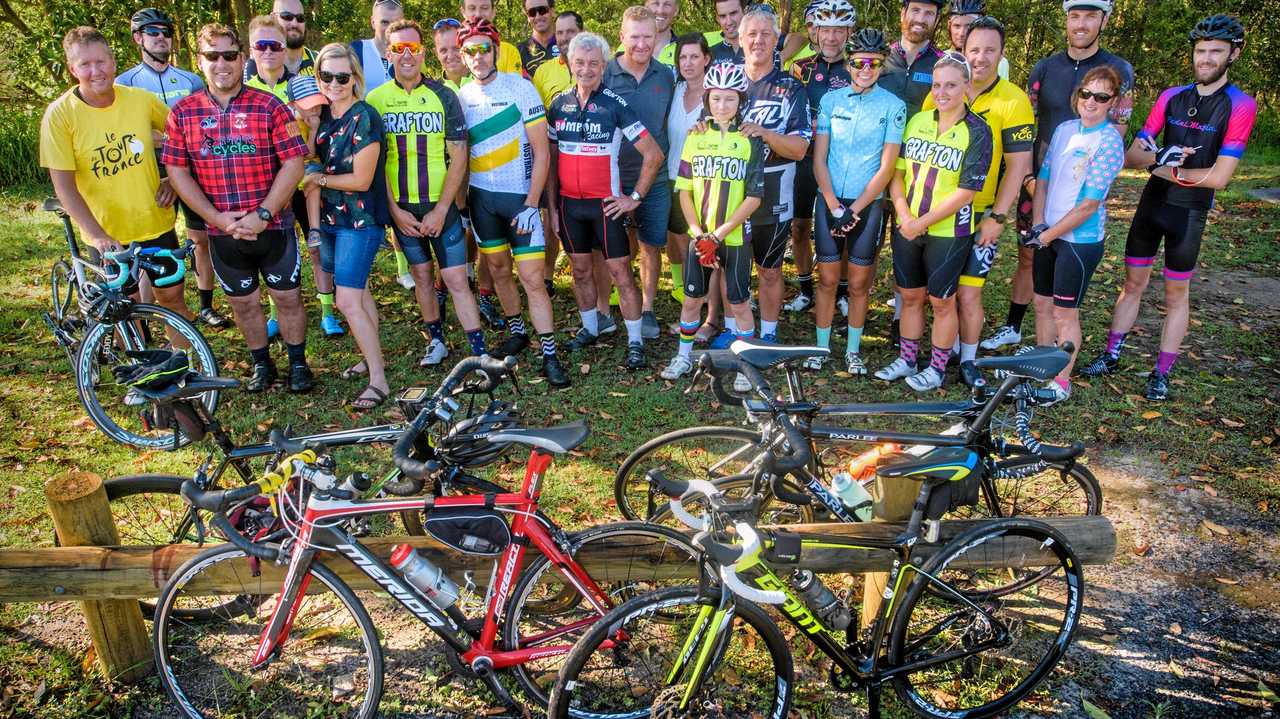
(170, 86)
(859, 125)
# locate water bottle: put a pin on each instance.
(426, 576)
(830, 610)
(853, 495)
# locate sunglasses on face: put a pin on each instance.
(447, 22)
(1102, 97)
(478, 48)
(214, 55)
(157, 32)
(400, 48)
(873, 63)
(292, 17)
(536, 11)
(327, 77)
(268, 46)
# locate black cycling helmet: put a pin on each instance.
(968, 7)
(868, 39)
(1218, 27)
(149, 16)
(467, 443)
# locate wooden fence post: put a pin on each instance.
(82, 516)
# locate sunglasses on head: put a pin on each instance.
(875, 63)
(268, 46)
(400, 48)
(341, 78)
(154, 31)
(1103, 97)
(478, 48)
(214, 55)
(292, 16)
(447, 22)
(536, 11)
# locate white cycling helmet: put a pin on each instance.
(834, 13)
(725, 76)
(1104, 5)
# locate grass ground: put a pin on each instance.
(1217, 434)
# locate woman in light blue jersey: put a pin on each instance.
(855, 147)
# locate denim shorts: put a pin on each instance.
(348, 254)
(653, 214)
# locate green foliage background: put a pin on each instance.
(1151, 35)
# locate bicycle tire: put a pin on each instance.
(91, 377)
(763, 685)
(294, 666)
(631, 490)
(1037, 496)
(546, 614)
(937, 612)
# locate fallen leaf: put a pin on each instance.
(39, 693)
(605, 415)
(1201, 478)
(1151, 414)
(1177, 670)
(1214, 527)
(1093, 711)
(1210, 491)
(1228, 422)
(1142, 549)
(619, 394)
(1175, 628)
(1226, 580)
(584, 368)
(1267, 695)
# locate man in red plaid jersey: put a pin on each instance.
(235, 155)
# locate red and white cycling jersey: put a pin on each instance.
(588, 137)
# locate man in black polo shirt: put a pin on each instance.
(647, 86)
(908, 71)
(540, 46)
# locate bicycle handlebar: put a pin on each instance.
(1048, 452)
(145, 258)
(726, 556)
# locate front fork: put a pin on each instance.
(296, 581)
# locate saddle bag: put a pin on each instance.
(470, 530)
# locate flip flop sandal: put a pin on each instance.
(361, 403)
(707, 332)
(358, 369)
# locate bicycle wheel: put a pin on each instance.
(692, 453)
(547, 610)
(752, 676)
(1061, 489)
(110, 405)
(331, 666)
(1025, 634)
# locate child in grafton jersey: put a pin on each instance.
(720, 183)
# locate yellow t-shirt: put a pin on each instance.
(551, 79)
(113, 154)
(509, 59)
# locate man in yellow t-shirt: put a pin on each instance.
(97, 142)
(553, 77)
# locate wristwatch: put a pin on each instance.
(998, 217)
(324, 180)
(636, 196)
(264, 214)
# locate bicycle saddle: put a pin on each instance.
(190, 385)
(1040, 363)
(943, 464)
(556, 440)
(763, 355)
(54, 205)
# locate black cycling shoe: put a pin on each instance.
(1157, 387)
(635, 357)
(264, 375)
(512, 345)
(492, 316)
(1105, 363)
(555, 372)
(971, 375)
(582, 340)
(301, 379)
(209, 316)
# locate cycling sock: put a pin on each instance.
(515, 323)
(590, 320)
(1115, 342)
(897, 305)
(1017, 311)
(206, 299)
(677, 279)
(968, 352)
(1164, 361)
(823, 335)
(842, 290)
(939, 359)
(731, 323)
(854, 342)
(548, 345)
(297, 353)
(633, 329)
(436, 330)
(476, 338)
(262, 355)
(326, 303)
(486, 299)
(768, 327)
(806, 285)
(688, 330)
(402, 263)
(744, 334)
(908, 350)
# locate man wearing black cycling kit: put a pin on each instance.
(1191, 144)
(1050, 87)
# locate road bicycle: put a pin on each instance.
(310, 646)
(96, 324)
(1017, 481)
(953, 637)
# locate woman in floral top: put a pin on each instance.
(353, 215)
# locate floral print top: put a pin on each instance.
(338, 141)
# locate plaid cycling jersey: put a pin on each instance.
(234, 154)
